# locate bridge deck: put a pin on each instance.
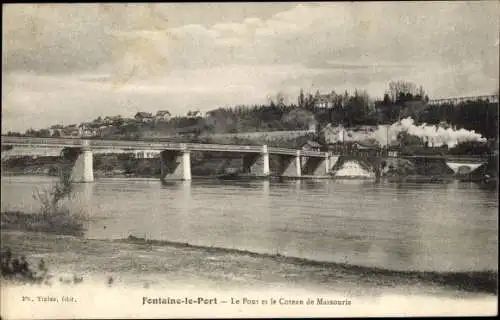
(449, 158)
(28, 142)
(146, 145)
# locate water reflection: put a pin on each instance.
(266, 188)
(417, 226)
(83, 194)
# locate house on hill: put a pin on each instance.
(195, 114)
(86, 130)
(144, 116)
(311, 146)
(163, 115)
(325, 100)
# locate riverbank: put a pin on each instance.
(222, 259)
(139, 262)
(123, 272)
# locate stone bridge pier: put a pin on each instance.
(175, 165)
(257, 164)
(290, 165)
(332, 161)
(316, 166)
(80, 160)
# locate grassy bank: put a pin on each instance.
(61, 222)
(136, 261)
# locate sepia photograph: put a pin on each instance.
(249, 159)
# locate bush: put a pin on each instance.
(50, 199)
(53, 217)
(18, 269)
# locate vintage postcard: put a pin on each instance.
(236, 160)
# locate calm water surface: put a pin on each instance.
(407, 227)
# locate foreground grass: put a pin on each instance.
(138, 262)
(61, 222)
(53, 216)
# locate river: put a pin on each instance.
(421, 227)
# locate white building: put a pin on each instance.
(195, 114)
(147, 154)
(163, 115)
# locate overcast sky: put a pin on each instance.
(69, 63)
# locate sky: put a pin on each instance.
(70, 63)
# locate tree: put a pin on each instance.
(280, 99)
(309, 102)
(387, 99)
(44, 133)
(400, 91)
(298, 119)
(359, 110)
(30, 132)
(301, 100)
(117, 122)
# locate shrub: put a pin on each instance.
(18, 269)
(50, 199)
(54, 216)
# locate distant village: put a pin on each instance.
(102, 126)
(325, 121)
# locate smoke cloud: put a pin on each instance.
(434, 135)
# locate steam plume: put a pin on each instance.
(434, 135)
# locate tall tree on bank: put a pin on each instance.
(402, 91)
(301, 100)
(359, 110)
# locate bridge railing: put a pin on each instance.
(222, 147)
(41, 141)
(309, 153)
(119, 144)
(138, 145)
(131, 145)
(285, 151)
(457, 100)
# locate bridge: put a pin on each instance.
(461, 165)
(176, 157)
(457, 100)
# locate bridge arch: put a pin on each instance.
(464, 170)
(461, 168)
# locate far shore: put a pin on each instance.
(390, 179)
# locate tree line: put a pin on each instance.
(402, 99)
